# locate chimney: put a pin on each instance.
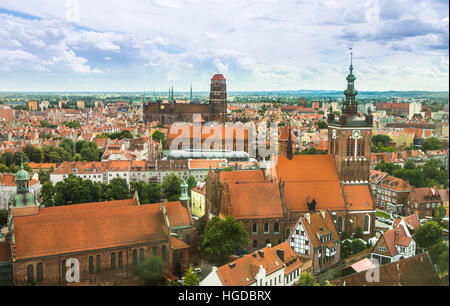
(261, 253)
(232, 265)
(280, 254)
(397, 233)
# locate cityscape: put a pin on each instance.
(147, 155)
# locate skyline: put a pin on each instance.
(69, 46)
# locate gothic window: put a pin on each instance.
(135, 258)
(340, 224)
(361, 147)
(30, 277)
(266, 228)
(91, 264)
(98, 263)
(163, 252)
(255, 244)
(63, 268)
(154, 251)
(40, 275)
(276, 228)
(120, 260)
(366, 223)
(350, 146)
(254, 228)
(113, 261)
(141, 255)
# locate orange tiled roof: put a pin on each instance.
(71, 229)
(319, 226)
(358, 197)
(241, 176)
(178, 214)
(328, 195)
(176, 244)
(255, 200)
(244, 270)
(313, 168)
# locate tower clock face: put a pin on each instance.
(162, 106)
(334, 134)
(356, 134)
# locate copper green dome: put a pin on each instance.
(22, 175)
(18, 200)
(29, 199)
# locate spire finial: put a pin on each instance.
(351, 59)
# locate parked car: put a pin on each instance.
(198, 270)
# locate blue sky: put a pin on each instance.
(112, 45)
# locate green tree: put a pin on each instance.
(431, 143)
(3, 217)
(192, 183)
(223, 238)
(159, 137)
(171, 185)
(309, 151)
(357, 246)
(47, 194)
(118, 189)
(387, 167)
(409, 164)
(34, 154)
(148, 193)
(19, 157)
(358, 233)
(322, 125)
(3, 168)
(380, 138)
(7, 158)
(429, 234)
(68, 145)
(306, 279)
(79, 145)
(190, 278)
(150, 271)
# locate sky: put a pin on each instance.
(141, 45)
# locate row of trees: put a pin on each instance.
(67, 150)
(432, 173)
(74, 190)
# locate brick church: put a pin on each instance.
(270, 204)
(169, 113)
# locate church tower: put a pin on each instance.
(349, 137)
(218, 99)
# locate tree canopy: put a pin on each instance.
(429, 234)
(223, 237)
(150, 271)
(431, 143)
(190, 278)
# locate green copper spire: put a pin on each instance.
(350, 104)
(190, 96)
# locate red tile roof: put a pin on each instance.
(241, 176)
(358, 197)
(313, 168)
(178, 214)
(255, 200)
(59, 230)
(218, 77)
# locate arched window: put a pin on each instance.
(40, 273)
(113, 261)
(98, 263)
(340, 224)
(255, 244)
(141, 255)
(361, 147)
(350, 146)
(63, 268)
(276, 228)
(366, 223)
(266, 228)
(154, 251)
(254, 228)
(135, 258)
(91, 264)
(30, 277)
(120, 260)
(163, 252)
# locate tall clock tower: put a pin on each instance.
(349, 137)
